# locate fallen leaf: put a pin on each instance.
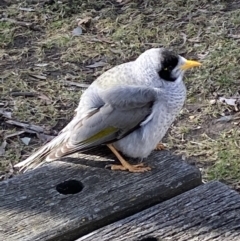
(36, 76)
(2, 148)
(85, 20)
(115, 51)
(25, 94)
(26, 140)
(97, 64)
(224, 119)
(41, 65)
(6, 114)
(102, 39)
(184, 39)
(45, 98)
(212, 102)
(197, 128)
(123, 1)
(14, 134)
(71, 83)
(25, 24)
(27, 9)
(194, 40)
(235, 102)
(30, 128)
(77, 31)
(234, 36)
(230, 101)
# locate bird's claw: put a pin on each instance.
(131, 168)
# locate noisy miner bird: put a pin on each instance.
(129, 108)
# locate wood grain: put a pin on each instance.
(32, 209)
(208, 212)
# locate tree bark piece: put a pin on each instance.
(210, 212)
(31, 208)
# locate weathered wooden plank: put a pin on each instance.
(32, 209)
(208, 212)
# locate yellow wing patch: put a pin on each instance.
(105, 132)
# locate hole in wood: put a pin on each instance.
(150, 238)
(69, 187)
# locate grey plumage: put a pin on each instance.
(129, 105)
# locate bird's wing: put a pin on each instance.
(124, 110)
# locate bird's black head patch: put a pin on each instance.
(169, 62)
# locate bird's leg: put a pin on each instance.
(160, 147)
(125, 165)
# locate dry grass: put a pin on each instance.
(116, 33)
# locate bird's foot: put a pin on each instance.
(125, 165)
(131, 168)
(160, 147)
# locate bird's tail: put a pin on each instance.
(40, 157)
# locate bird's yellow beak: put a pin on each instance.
(190, 64)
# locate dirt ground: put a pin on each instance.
(44, 67)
